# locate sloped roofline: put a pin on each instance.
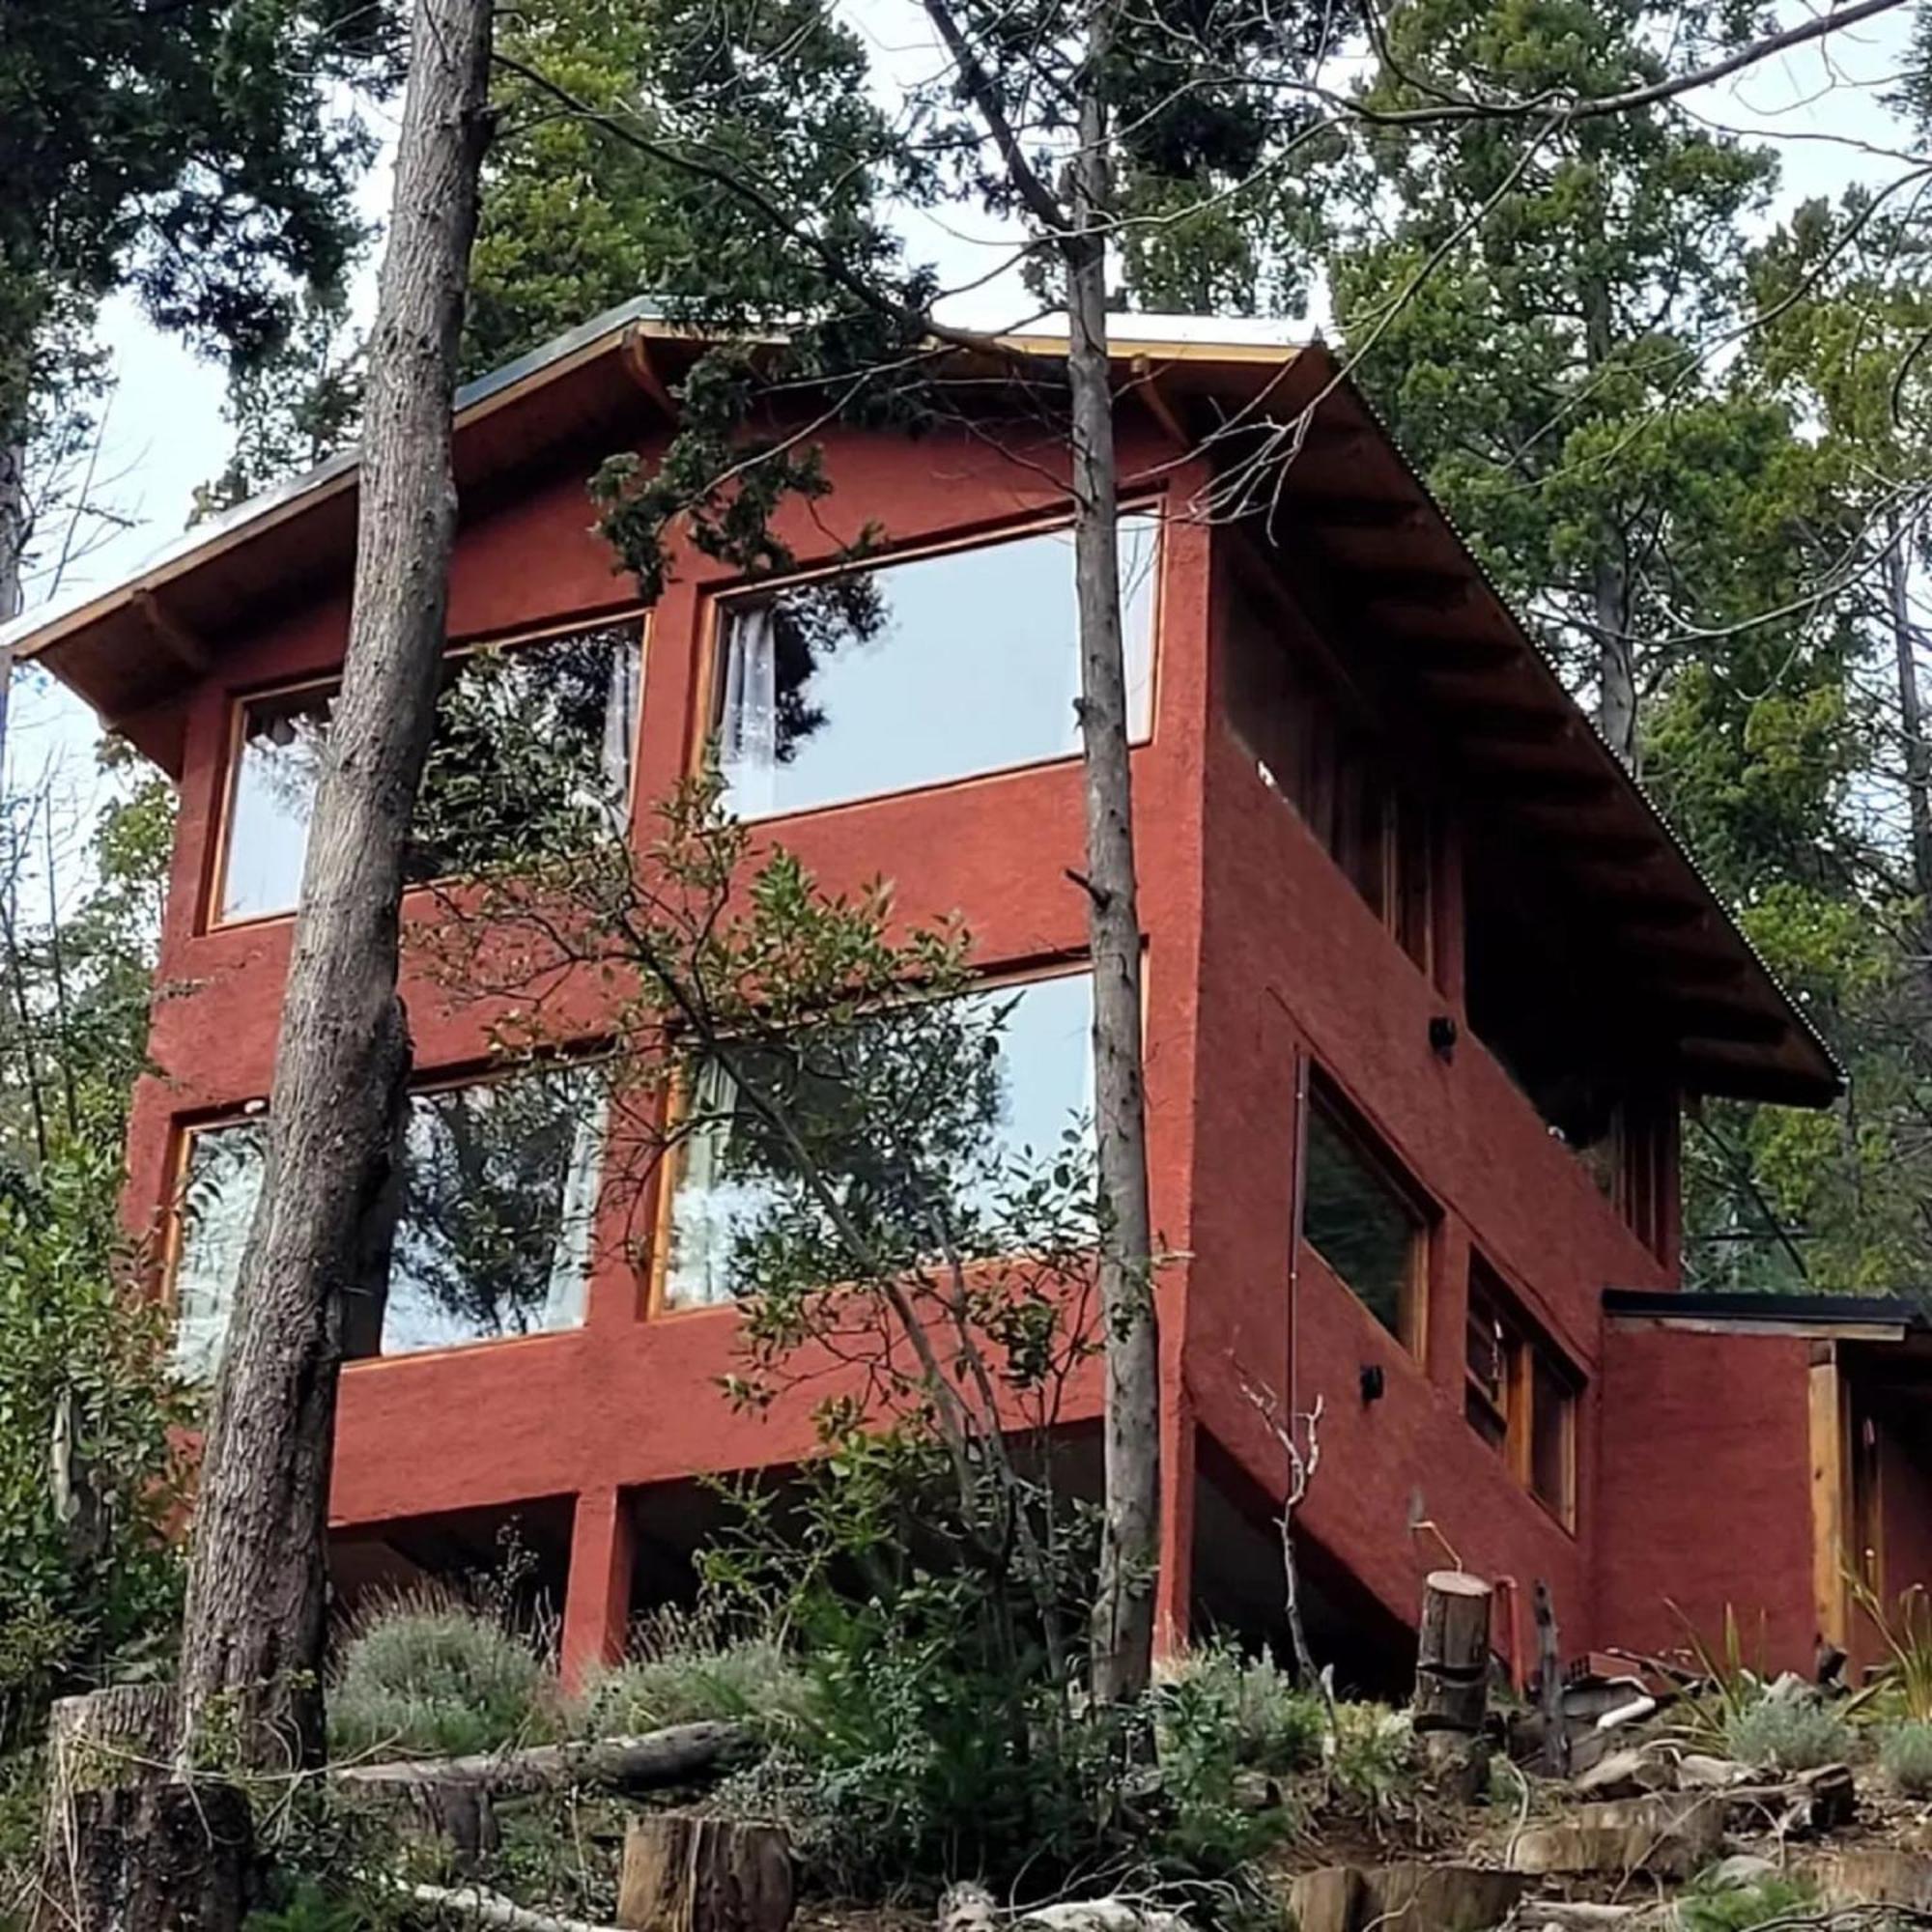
(132, 647)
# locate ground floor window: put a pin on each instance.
(493, 1230)
(1520, 1395)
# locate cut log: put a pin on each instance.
(173, 1857)
(689, 1874)
(679, 1754)
(1452, 1655)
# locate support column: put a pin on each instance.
(597, 1597)
(1173, 1589)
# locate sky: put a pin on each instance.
(166, 432)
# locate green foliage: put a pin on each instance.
(424, 1674)
(1734, 1685)
(1222, 1721)
(1708, 1906)
(1374, 1755)
(1905, 1756)
(686, 1666)
(1787, 1734)
(86, 1392)
(309, 1907)
(1905, 1678)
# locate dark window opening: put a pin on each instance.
(1330, 766)
(1520, 1395)
(1361, 1219)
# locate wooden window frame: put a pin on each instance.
(1326, 1099)
(1525, 1349)
(723, 604)
(215, 873)
(669, 1171)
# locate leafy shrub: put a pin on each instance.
(687, 1666)
(1905, 1756)
(423, 1674)
(1786, 1734)
(1711, 1906)
(92, 1578)
(1906, 1631)
(1221, 1723)
(1374, 1759)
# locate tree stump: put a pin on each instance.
(126, 1843)
(1452, 1681)
(690, 1874)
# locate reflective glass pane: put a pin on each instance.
(277, 773)
(916, 672)
(944, 1157)
(493, 1237)
(533, 747)
(1552, 1410)
(1357, 1221)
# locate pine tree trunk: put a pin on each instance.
(1911, 717)
(257, 1583)
(1610, 581)
(1123, 1603)
(12, 566)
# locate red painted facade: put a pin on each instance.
(1690, 1453)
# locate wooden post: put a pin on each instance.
(128, 1843)
(690, 1874)
(1549, 1685)
(1452, 1678)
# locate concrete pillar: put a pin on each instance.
(597, 1597)
(1173, 1589)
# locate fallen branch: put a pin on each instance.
(489, 1907)
(675, 1756)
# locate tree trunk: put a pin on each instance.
(1609, 578)
(13, 565)
(1911, 716)
(689, 1874)
(257, 1582)
(1124, 1602)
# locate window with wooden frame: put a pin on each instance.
(1520, 1395)
(918, 671)
(499, 1184)
(858, 1094)
(1363, 1218)
(533, 741)
(1310, 737)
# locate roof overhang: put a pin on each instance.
(1830, 1317)
(1344, 494)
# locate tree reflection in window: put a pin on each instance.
(915, 672)
(532, 756)
(923, 1122)
(493, 1235)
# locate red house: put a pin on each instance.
(1429, 981)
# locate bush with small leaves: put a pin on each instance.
(1787, 1734)
(1374, 1761)
(423, 1674)
(1710, 1905)
(685, 1666)
(1905, 1756)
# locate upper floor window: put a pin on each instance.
(1520, 1395)
(1031, 1080)
(915, 672)
(1363, 1218)
(521, 731)
(1327, 764)
(493, 1229)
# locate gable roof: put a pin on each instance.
(1387, 564)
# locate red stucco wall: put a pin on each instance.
(1704, 1494)
(1257, 950)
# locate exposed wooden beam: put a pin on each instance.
(1332, 510)
(1716, 1019)
(1419, 587)
(171, 634)
(1483, 724)
(1146, 384)
(642, 370)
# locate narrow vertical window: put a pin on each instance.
(1520, 1395)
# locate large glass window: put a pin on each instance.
(912, 673)
(493, 1232)
(920, 1156)
(1360, 1220)
(529, 739)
